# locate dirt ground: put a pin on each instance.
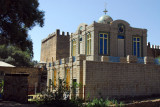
(145, 103)
(15, 104)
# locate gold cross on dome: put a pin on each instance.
(105, 11)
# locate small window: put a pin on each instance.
(49, 64)
(60, 61)
(121, 29)
(80, 39)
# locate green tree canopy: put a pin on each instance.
(16, 18)
(15, 56)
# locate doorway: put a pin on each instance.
(120, 46)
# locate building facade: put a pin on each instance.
(108, 58)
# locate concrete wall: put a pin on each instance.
(120, 79)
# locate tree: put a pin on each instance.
(15, 56)
(16, 18)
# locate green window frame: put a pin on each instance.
(103, 43)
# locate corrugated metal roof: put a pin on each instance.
(4, 64)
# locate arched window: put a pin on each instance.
(121, 29)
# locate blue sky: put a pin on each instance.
(66, 15)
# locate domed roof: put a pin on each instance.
(105, 19)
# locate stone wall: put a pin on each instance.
(62, 47)
(106, 79)
(34, 77)
(48, 49)
(16, 87)
(54, 47)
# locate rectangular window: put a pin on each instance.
(89, 44)
(137, 46)
(103, 43)
(73, 48)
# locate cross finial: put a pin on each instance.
(105, 5)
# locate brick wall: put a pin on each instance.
(103, 79)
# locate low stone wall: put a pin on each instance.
(106, 79)
(34, 78)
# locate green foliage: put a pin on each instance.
(104, 103)
(58, 99)
(121, 104)
(16, 18)
(73, 88)
(88, 96)
(15, 56)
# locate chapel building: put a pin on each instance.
(108, 58)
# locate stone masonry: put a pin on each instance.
(55, 47)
